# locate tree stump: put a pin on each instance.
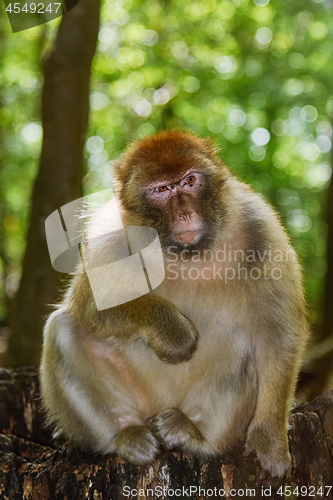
(33, 468)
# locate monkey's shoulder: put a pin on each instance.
(259, 220)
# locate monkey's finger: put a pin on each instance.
(264, 478)
(247, 451)
(150, 420)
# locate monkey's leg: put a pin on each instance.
(267, 434)
(84, 389)
(174, 430)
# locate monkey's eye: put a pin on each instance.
(161, 189)
(190, 179)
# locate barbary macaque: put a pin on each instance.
(209, 358)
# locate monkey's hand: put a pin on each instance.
(174, 430)
(271, 448)
(172, 336)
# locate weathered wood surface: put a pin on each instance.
(32, 469)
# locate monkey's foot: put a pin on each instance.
(272, 454)
(138, 445)
(274, 470)
(173, 429)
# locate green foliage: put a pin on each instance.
(253, 74)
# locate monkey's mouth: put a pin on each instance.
(188, 237)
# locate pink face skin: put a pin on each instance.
(180, 201)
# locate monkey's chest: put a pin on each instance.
(219, 368)
(220, 365)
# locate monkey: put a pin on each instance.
(207, 360)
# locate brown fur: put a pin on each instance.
(209, 362)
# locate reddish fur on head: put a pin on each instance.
(164, 156)
(166, 159)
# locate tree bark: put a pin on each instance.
(319, 361)
(65, 106)
(327, 323)
(32, 469)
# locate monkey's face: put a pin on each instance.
(173, 182)
(183, 223)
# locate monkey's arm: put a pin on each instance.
(281, 337)
(170, 334)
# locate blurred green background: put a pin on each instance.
(255, 75)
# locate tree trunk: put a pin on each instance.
(327, 324)
(31, 469)
(318, 364)
(65, 106)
